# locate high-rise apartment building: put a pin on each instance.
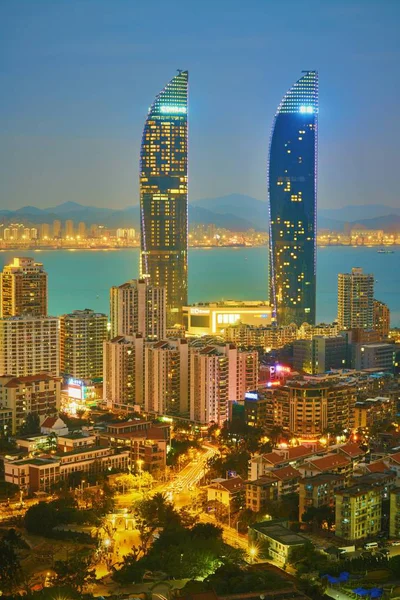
(23, 287)
(320, 354)
(381, 319)
(137, 306)
(164, 195)
(123, 371)
(167, 377)
(69, 228)
(292, 192)
(218, 375)
(45, 232)
(29, 345)
(82, 334)
(355, 300)
(56, 228)
(82, 229)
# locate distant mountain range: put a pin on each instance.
(236, 212)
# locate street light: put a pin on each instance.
(253, 553)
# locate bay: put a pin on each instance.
(82, 278)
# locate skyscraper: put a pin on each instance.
(355, 300)
(163, 195)
(292, 192)
(23, 287)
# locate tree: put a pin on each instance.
(31, 425)
(10, 568)
(152, 514)
(75, 572)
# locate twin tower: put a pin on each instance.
(292, 194)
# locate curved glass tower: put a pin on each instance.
(163, 195)
(292, 193)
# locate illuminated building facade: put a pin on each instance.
(123, 371)
(381, 319)
(164, 195)
(39, 394)
(29, 345)
(137, 306)
(292, 192)
(209, 318)
(166, 377)
(82, 333)
(356, 300)
(23, 286)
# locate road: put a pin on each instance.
(338, 594)
(192, 473)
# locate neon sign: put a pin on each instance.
(179, 110)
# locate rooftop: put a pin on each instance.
(279, 533)
(352, 450)
(395, 457)
(274, 458)
(286, 473)
(331, 461)
(378, 466)
(323, 478)
(234, 484)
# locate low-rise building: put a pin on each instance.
(375, 356)
(74, 441)
(287, 480)
(53, 425)
(147, 446)
(39, 474)
(39, 394)
(352, 452)
(358, 512)
(226, 491)
(369, 411)
(318, 491)
(260, 493)
(331, 463)
(281, 541)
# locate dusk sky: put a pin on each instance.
(77, 78)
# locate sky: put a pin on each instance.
(77, 78)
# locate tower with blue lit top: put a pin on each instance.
(164, 195)
(292, 195)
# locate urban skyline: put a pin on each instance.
(60, 136)
(183, 433)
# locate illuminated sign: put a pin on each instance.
(199, 311)
(251, 396)
(72, 381)
(75, 391)
(178, 110)
(307, 109)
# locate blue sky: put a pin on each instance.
(77, 77)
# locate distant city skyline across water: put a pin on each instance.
(82, 279)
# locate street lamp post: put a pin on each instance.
(139, 464)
